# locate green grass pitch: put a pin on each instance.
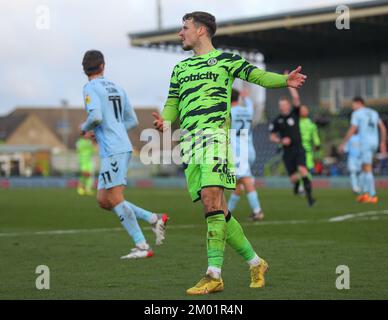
(301, 246)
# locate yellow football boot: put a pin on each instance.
(81, 191)
(206, 285)
(89, 192)
(257, 274)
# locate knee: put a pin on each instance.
(211, 199)
(209, 206)
(249, 185)
(367, 168)
(110, 202)
(104, 203)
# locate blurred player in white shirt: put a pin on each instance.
(244, 153)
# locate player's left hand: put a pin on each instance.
(158, 122)
(296, 79)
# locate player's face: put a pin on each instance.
(284, 107)
(304, 111)
(356, 105)
(189, 35)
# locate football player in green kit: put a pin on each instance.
(85, 152)
(199, 97)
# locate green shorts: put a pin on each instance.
(213, 166)
(87, 167)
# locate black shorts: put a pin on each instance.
(293, 158)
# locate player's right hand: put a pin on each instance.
(158, 122)
(286, 141)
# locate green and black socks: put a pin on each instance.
(221, 230)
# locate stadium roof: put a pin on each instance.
(299, 33)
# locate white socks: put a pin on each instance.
(214, 272)
(255, 261)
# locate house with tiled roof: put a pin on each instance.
(51, 130)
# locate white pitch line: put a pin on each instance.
(56, 232)
(356, 215)
(179, 226)
(279, 222)
(77, 231)
(190, 226)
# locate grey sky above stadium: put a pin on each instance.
(39, 67)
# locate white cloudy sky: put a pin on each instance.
(41, 67)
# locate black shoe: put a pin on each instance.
(311, 201)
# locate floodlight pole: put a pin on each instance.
(159, 13)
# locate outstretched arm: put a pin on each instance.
(242, 69)
(296, 79)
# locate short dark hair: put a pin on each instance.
(285, 98)
(235, 95)
(92, 61)
(359, 99)
(203, 18)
